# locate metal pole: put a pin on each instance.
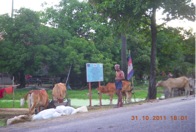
(90, 94)
(13, 92)
(100, 103)
(68, 75)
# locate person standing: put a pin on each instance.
(118, 83)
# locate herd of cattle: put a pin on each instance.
(39, 98)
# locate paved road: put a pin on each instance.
(171, 115)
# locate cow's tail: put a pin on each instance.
(22, 100)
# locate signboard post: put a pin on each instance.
(94, 73)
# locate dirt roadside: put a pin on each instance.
(6, 113)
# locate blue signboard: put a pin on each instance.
(94, 72)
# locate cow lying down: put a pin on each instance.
(48, 114)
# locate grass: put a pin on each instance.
(139, 91)
(2, 122)
(7, 102)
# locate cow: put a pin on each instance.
(172, 83)
(110, 89)
(127, 91)
(36, 100)
(59, 92)
(192, 85)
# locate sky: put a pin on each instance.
(6, 5)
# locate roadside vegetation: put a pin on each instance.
(139, 91)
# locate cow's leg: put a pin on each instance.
(111, 97)
(172, 92)
(30, 102)
(32, 110)
(169, 93)
(128, 96)
(187, 92)
(47, 103)
(124, 96)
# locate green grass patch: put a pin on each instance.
(2, 122)
(140, 91)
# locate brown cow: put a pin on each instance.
(36, 99)
(59, 92)
(126, 91)
(110, 90)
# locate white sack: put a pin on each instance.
(80, 109)
(56, 114)
(64, 110)
(45, 114)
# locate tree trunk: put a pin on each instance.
(123, 54)
(22, 79)
(152, 91)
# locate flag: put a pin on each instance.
(130, 68)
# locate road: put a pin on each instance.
(170, 115)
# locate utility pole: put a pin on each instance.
(12, 8)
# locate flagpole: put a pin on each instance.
(129, 52)
(132, 77)
(132, 85)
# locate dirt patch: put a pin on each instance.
(6, 113)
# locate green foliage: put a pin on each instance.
(75, 33)
(172, 52)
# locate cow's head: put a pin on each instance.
(51, 104)
(101, 89)
(158, 84)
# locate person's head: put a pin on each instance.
(117, 67)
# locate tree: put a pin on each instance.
(19, 42)
(173, 9)
(139, 44)
(121, 15)
(87, 38)
(123, 11)
(181, 61)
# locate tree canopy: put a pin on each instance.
(75, 33)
